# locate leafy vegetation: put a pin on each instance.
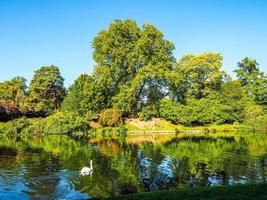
(55, 124)
(110, 117)
(46, 90)
(12, 98)
(61, 123)
(136, 75)
(15, 127)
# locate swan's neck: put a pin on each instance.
(91, 164)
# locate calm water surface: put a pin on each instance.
(48, 167)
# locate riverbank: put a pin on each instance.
(72, 124)
(240, 192)
(161, 125)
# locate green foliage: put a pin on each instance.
(232, 95)
(247, 71)
(135, 72)
(202, 74)
(226, 106)
(195, 112)
(255, 119)
(76, 97)
(253, 80)
(46, 91)
(129, 60)
(122, 130)
(170, 110)
(60, 123)
(148, 112)
(110, 117)
(12, 98)
(15, 127)
(206, 111)
(13, 90)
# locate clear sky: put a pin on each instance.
(44, 32)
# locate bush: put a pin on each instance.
(147, 113)
(255, 119)
(110, 117)
(195, 112)
(254, 112)
(60, 123)
(15, 127)
(122, 130)
(169, 110)
(207, 111)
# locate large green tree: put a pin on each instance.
(87, 95)
(46, 91)
(121, 52)
(202, 74)
(12, 98)
(13, 90)
(252, 79)
(234, 97)
(76, 95)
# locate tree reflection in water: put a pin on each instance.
(48, 167)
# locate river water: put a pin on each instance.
(49, 167)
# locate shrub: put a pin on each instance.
(15, 127)
(206, 111)
(147, 113)
(195, 112)
(255, 119)
(254, 112)
(122, 130)
(60, 123)
(110, 117)
(169, 109)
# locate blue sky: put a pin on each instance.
(38, 33)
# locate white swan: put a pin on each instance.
(87, 170)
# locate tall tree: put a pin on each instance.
(121, 52)
(86, 95)
(252, 79)
(46, 90)
(233, 96)
(12, 97)
(202, 74)
(76, 95)
(13, 90)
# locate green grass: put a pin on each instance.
(237, 192)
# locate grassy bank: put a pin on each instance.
(237, 192)
(158, 124)
(72, 124)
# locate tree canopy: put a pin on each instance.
(131, 60)
(137, 75)
(46, 91)
(252, 79)
(202, 74)
(12, 97)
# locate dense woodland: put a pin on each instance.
(137, 75)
